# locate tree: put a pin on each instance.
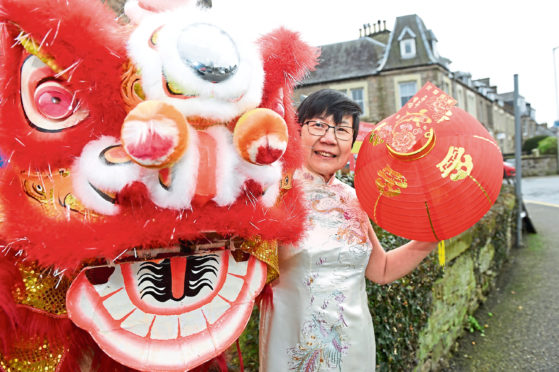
(548, 146)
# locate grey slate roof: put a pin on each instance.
(346, 60)
(424, 52)
(367, 56)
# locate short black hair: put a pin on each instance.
(326, 102)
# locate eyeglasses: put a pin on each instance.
(319, 128)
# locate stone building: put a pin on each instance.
(382, 69)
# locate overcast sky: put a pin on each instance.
(489, 38)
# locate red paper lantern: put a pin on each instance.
(430, 171)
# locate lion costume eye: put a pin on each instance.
(54, 101)
(48, 104)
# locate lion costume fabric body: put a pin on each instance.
(147, 182)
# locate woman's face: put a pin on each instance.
(326, 154)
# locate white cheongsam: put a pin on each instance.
(320, 319)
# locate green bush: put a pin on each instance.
(401, 309)
(531, 143)
(548, 146)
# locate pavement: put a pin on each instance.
(520, 318)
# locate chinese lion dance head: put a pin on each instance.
(146, 181)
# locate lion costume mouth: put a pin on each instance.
(171, 321)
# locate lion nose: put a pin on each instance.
(154, 134)
(209, 51)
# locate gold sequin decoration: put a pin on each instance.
(32, 356)
(42, 291)
(267, 252)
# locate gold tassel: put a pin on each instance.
(441, 253)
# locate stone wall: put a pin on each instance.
(474, 259)
(544, 165)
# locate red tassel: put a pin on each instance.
(266, 297)
(241, 366)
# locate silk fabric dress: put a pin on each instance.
(320, 319)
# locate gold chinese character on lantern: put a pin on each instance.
(390, 182)
(459, 162)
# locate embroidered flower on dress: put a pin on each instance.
(325, 346)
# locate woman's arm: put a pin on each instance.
(385, 267)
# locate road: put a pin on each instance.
(541, 189)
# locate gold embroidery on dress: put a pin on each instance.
(314, 206)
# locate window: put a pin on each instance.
(357, 96)
(407, 43)
(446, 88)
(407, 48)
(407, 90)
(434, 48)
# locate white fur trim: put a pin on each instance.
(265, 175)
(271, 195)
(183, 178)
(89, 168)
(217, 101)
(133, 11)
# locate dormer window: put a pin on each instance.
(407, 48)
(407, 43)
(434, 48)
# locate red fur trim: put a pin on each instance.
(141, 225)
(83, 34)
(9, 278)
(287, 59)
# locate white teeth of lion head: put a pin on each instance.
(118, 304)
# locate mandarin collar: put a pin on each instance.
(312, 178)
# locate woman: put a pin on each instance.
(319, 319)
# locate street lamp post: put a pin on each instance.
(555, 81)
(518, 162)
(556, 123)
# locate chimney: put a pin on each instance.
(378, 22)
(365, 29)
(374, 28)
(360, 33)
(384, 22)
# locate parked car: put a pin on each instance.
(509, 170)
